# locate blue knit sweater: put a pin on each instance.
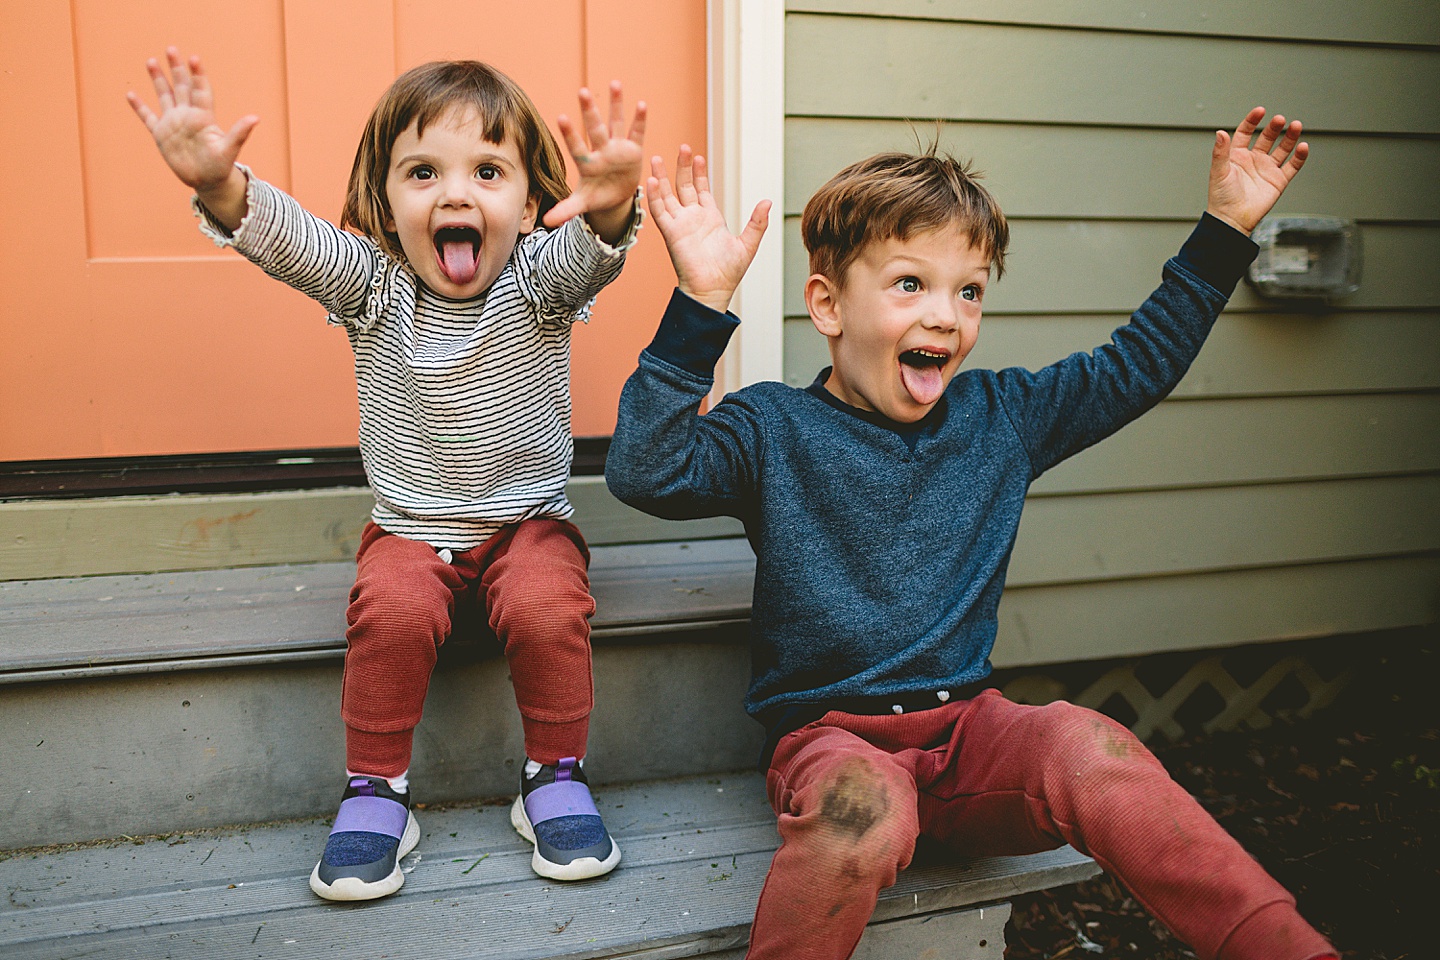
(881, 549)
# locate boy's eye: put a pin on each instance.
(908, 284)
(972, 292)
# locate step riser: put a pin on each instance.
(156, 753)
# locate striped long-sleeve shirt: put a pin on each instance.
(464, 404)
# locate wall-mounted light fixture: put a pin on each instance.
(1306, 258)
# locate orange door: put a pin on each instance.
(123, 332)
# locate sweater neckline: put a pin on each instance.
(907, 431)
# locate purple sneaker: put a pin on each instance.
(556, 813)
(373, 831)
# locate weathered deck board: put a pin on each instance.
(92, 626)
(696, 851)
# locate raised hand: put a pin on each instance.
(709, 260)
(610, 164)
(199, 152)
(1245, 179)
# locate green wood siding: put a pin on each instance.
(1290, 485)
(1373, 21)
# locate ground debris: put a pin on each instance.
(1343, 809)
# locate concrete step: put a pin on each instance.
(146, 704)
(695, 854)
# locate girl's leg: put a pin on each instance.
(1019, 778)
(537, 593)
(399, 614)
(848, 825)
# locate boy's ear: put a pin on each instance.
(823, 302)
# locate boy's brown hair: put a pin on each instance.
(893, 196)
(422, 96)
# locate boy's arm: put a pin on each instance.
(198, 152)
(665, 458)
(1084, 398)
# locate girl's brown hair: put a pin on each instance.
(425, 94)
(893, 196)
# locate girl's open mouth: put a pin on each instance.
(921, 371)
(458, 250)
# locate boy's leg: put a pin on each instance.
(848, 823)
(1020, 778)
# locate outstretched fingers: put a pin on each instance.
(755, 227)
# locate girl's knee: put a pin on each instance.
(399, 608)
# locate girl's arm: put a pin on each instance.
(260, 221)
(610, 167)
(199, 153)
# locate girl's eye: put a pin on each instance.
(908, 284)
(972, 292)
(422, 173)
(488, 172)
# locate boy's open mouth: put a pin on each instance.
(921, 373)
(459, 251)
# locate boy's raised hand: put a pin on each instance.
(200, 153)
(1246, 180)
(610, 165)
(709, 260)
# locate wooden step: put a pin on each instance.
(695, 854)
(78, 627)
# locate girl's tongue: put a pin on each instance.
(923, 381)
(459, 254)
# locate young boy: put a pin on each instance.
(882, 503)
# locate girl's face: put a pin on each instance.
(458, 203)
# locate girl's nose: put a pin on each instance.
(455, 191)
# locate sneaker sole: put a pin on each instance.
(581, 869)
(353, 888)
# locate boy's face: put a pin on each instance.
(905, 319)
(458, 203)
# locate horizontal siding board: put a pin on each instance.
(1045, 170)
(870, 67)
(1259, 440)
(1125, 618)
(1125, 535)
(1250, 354)
(1104, 267)
(1372, 21)
(1247, 354)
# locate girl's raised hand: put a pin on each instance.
(200, 153)
(192, 143)
(709, 260)
(610, 165)
(1246, 180)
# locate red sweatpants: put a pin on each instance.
(533, 583)
(987, 777)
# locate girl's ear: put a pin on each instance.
(823, 303)
(531, 213)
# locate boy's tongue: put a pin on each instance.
(924, 383)
(458, 261)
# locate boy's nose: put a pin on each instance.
(941, 316)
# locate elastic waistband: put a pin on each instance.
(779, 721)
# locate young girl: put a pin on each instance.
(458, 307)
